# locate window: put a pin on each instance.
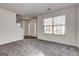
(55, 25)
(59, 24)
(48, 25)
(18, 24)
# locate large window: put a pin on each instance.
(48, 25)
(55, 25)
(59, 24)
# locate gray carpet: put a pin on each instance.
(35, 47)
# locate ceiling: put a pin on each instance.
(33, 9)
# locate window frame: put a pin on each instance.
(47, 25)
(64, 30)
(54, 25)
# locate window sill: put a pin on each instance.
(55, 34)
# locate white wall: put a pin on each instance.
(70, 37)
(9, 31)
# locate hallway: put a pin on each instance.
(35, 47)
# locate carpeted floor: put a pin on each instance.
(35, 47)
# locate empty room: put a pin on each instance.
(39, 29)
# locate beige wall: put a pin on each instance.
(9, 30)
(70, 37)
